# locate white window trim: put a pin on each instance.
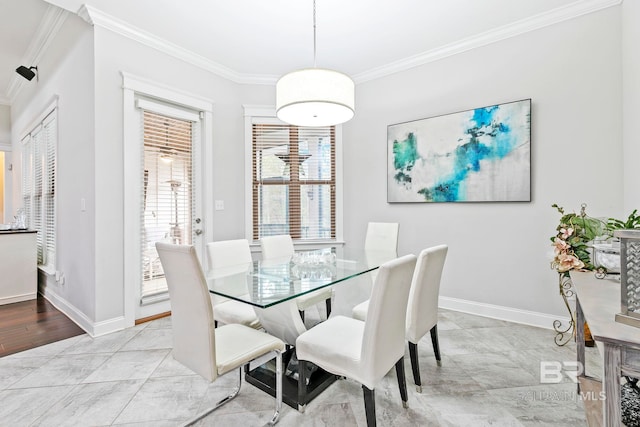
(266, 115)
(50, 106)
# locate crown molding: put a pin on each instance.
(554, 16)
(51, 23)
(98, 18)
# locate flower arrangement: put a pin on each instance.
(571, 242)
(576, 232)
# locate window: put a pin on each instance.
(39, 186)
(293, 181)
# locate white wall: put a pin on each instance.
(499, 252)
(6, 209)
(66, 71)
(115, 54)
(86, 64)
(5, 124)
(631, 103)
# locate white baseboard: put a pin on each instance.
(94, 329)
(108, 326)
(531, 318)
(526, 317)
(18, 298)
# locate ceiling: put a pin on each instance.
(262, 39)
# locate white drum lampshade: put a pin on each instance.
(315, 97)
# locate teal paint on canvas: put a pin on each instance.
(404, 157)
(476, 155)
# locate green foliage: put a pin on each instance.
(586, 228)
(633, 221)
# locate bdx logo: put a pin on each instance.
(551, 371)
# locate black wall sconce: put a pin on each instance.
(27, 73)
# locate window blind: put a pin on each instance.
(27, 178)
(39, 153)
(167, 205)
(49, 191)
(293, 170)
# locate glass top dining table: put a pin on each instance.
(264, 284)
(271, 288)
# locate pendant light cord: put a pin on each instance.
(314, 34)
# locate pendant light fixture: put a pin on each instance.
(315, 96)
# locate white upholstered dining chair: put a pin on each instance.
(422, 309)
(364, 351)
(231, 257)
(209, 351)
(380, 240)
(281, 246)
(382, 236)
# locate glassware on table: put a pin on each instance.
(20, 220)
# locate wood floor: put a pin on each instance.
(29, 324)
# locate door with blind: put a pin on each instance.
(170, 205)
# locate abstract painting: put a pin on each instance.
(479, 155)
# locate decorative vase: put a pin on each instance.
(629, 277)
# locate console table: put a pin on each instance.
(597, 302)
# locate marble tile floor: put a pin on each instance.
(490, 375)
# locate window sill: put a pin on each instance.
(47, 269)
(305, 245)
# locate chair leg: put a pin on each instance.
(301, 315)
(276, 414)
(402, 381)
(436, 346)
(302, 385)
(415, 366)
(328, 304)
(227, 399)
(369, 405)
